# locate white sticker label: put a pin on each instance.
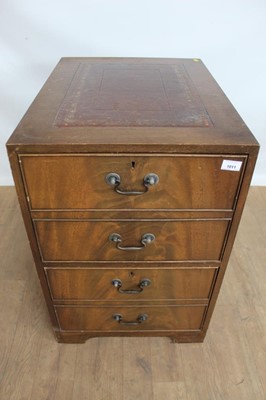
(231, 165)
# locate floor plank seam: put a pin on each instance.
(15, 331)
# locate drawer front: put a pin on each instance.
(158, 318)
(130, 284)
(79, 182)
(84, 240)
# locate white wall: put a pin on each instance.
(228, 35)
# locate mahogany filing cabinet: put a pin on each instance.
(131, 175)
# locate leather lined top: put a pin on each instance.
(108, 94)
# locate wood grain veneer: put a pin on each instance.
(77, 284)
(175, 240)
(78, 181)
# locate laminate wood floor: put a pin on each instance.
(230, 364)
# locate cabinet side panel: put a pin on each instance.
(240, 203)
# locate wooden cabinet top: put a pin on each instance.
(131, 104)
